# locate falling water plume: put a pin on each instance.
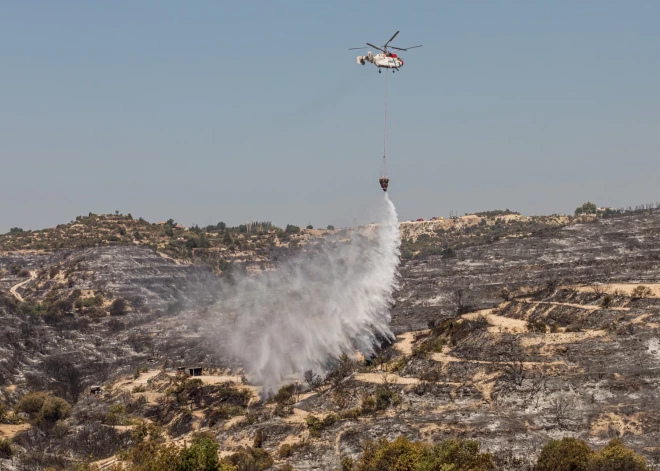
(331, 299)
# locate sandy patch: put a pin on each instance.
(623, 424)
(379, 378)
(445, 358)
(485, 383)
(499, 323)
(560, 338)
(11, 430)
(625, 288)
(404, 344)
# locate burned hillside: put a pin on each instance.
(609, 250)
(511, 343)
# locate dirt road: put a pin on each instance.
(14, 289)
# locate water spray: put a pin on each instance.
(322, 303)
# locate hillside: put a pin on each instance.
(550, 329)
(217, 246)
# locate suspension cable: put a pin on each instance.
(387, 72)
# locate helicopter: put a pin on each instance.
(385, 59)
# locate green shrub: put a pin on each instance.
(404, 455)
(385, 398)
(250, 459)
(567, 454)
(351, 414)
(314, 425)
(224, 412)
(3, 412)
(285, 394)
(118, 307)
(368, 405)
(606, 301)
(432, 345)
(537, 326)
(31, 403)
(53, 409)
(616, 457)
(202, 455)
(5, 449)
(347, 463)
(641, 292)
(285, 450)
(329, 420)
(116, 415)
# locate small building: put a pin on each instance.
(190, 370)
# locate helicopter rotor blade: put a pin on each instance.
(394, 36)
(404, 48)
(354, 48)
(375, 47)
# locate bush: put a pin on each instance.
(385, 397)
(3, 412)
(314, 425)
(201, 455)
(291, 229)
(351, 414)
(616, 457)
(43, 409)
(224, 412)
(402, 454)
(537, 326)
(432, 345)
(606, 301)
(31, 403)
(54, 409)
(285, 450)
(567, 454)
(118, 307)
(5, 449)
(250, 459)
(641, 292)
(286, 394)
(330, 227)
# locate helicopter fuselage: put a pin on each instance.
(382, 61)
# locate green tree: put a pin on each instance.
(291, 229)
(203, 241)
(309, 226)
(567, 454)
(330, 227)
(192, 243)
(586, 208)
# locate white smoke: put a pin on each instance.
(318, 305)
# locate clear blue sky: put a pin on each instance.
(207, 111)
